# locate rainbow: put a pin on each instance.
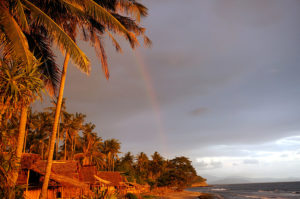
(152, 96)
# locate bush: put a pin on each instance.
(131, 196)
(148, 197)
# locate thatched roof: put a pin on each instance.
(101, 180)
(28, 159)
(62, 172)
(114, 177)
(87, 173)
(67, 168)
(67, 181)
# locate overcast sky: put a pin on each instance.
(220, 85)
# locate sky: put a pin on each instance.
(220, 85)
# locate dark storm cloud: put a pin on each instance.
(233, 64)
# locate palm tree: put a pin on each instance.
(71, 126)
(19, 85)
(111, 148)
(90, 147)
(14, 23)
(13, 26)
(142, 164)
(85, 10)
(39, 129)
(157, 165)
(63, 114)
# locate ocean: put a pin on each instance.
(278, 190)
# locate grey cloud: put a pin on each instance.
(198, 111)
(204, 165)
(250, 161)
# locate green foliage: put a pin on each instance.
(158, 172)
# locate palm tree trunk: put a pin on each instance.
(57, 141)
(55, 125)
(25, 138)
(42, 150)
(65, 157)
(20, 142)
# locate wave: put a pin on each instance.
(219, 189)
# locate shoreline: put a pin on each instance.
(181, 195)
(187, 195)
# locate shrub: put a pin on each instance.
(131, 196)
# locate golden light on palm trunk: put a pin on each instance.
(55, 125)
(20, 142)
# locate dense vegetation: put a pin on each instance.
(78, 140)
(28, 31)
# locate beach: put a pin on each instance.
(181, 195)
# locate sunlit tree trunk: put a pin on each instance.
(55, 125)
(20, 142)
(65, 156)
(25, 138)
(57, 141)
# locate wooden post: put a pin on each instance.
(28, 173)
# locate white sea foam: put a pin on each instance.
(219, 189)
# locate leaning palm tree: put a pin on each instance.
(88, 11)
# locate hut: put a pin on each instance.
(102, 180)
(117, 181)
(64, 179)
(88, 175)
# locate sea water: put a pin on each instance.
(278, 190)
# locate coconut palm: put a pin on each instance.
(142, 164)
(14, 24)
(90, 147)
(70, 127)
(111, 148)
(84, 9)
(39, 129)
(19, 85)
(63, 114)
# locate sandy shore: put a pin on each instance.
(181, 195)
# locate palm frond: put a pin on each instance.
(15, 39)
(40, 46)
(116, 44)
(102, 16)
(132, 26)
(101, 53)
(21, 16)
(132, 8)
(63, 40)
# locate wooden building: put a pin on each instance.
(64, 179)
